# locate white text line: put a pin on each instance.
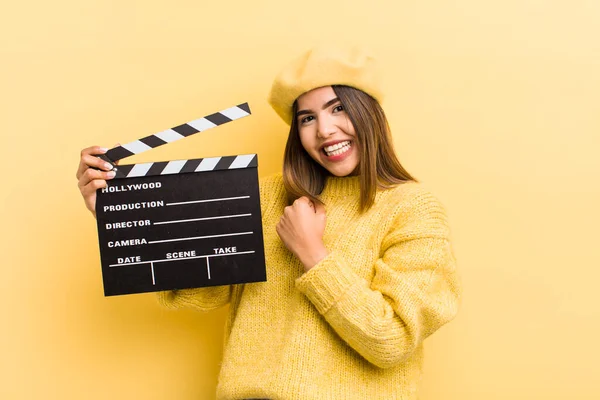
(200, 237)
(207, 201)
(201, 219)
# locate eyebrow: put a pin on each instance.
(326, 105)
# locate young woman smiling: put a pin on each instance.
(360, 267)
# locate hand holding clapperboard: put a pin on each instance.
(180, 224)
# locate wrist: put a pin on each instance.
(313, 257)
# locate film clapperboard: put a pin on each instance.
(180, 224)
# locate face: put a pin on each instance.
(326, 132)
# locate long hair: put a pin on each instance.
(378, 166)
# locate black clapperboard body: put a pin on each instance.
(180, 224)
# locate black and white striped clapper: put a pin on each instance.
(180, 224)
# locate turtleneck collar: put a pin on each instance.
(342, 186)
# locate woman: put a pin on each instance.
(359, 264)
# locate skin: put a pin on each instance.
(322, 121)
(89, 180)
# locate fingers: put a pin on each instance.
(88, 159)
(319, 209)
(94, 150)
(90, 175)
(88, 192)
(90, 189)
(304, 201)
(93, 161)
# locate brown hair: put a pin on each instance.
(378, 167)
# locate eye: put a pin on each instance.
(306, 119)
(338, 108)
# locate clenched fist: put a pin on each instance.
(301, 229)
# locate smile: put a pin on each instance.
(337, 149)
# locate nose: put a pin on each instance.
(326, 127)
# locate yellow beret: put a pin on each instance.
(324, 66)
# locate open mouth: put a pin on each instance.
(337, 149)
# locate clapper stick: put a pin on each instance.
(184, 166)
(176, 133)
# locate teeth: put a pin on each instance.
(336, 146)
(337, 149)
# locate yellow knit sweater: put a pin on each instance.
(353, 326)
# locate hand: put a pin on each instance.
(301, 229)
(89, 180)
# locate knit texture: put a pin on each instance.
(353, 326)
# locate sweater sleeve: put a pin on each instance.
(414, 290)
(202, 299)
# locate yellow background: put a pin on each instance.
(493, 104)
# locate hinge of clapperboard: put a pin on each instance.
(179, 132)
